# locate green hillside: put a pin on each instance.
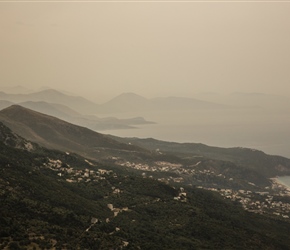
(55, 200)
(251, 159)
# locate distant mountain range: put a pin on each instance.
(77, 103)
(226, 118)
(78, 110)
(60, 105)
(90, 121)
(124, 103)
(130, 102)
(268, 101)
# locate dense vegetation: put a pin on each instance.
(41, 210)
(250, 159)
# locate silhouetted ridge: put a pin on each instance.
(52, 132)
(77, 103)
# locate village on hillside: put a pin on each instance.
(271, 200)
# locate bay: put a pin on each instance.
(285, 180)
(262, 131)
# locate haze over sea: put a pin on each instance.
(285, 180)
(157, 48)
(225, 129)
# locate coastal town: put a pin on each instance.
(274, 199)
(260, 202)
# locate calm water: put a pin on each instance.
(285, 180)
(270, 134)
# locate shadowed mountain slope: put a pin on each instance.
(54, 133)
(53, 109)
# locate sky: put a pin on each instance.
(101, 49)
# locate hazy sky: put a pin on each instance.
(101, 49)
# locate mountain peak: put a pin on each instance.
(129, 95)
(16, 108)
(125, 101)
(50, 92)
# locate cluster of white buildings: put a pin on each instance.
(257, 202)
(76, 175)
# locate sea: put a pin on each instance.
(285, 180)
(262, 132)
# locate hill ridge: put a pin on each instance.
(55, 133)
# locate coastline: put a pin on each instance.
(277, 183)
